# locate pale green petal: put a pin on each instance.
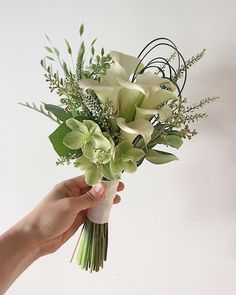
(134, 128)
(165, 113)
(115, 72)
(74, 140)
(89, 151)
(83, 163)
(100, 141)
(92, 126)
(116, 167)
(138, 87)
(93, 175)
(133, 154)
(130, 166)
(76, 125)
(122, 148)
(154, 81)
(157, 98)
(108, 174)
(128, 62)
(128, 100)
(144, 113)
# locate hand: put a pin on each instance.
(58, 216)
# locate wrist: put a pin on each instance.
(26, 235)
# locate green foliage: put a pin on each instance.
(189, 63)
(56, 139)
(159, 157)
(58, 112)
(98, 66)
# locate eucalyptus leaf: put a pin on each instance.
(170, 140)
(56, 139)
(58, 112)
(159, 157)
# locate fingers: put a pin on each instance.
(78, 181)
(121, 186)
(117, 199)
(91, 198)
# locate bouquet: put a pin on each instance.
(115, 111)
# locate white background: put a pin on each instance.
(175, 231)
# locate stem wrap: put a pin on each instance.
(100, 213)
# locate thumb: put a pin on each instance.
(92, 197)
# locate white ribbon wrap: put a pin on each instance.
(100, 213)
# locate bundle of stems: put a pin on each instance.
(93, 246)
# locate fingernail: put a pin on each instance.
(99, 188)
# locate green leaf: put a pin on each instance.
(49, 49)
(56, 51)
(159, 157)
(68, 47)
(58, 112)
(81, 29)
(93, 41)
(170, 140)
(47, 37)
(56, 139)
(49, 57)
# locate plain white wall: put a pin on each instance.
(175, 230)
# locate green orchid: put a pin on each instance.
(93, 173)
(125, 158)
(88, 137)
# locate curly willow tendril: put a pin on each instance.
(160, 63)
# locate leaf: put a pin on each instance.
(48, 49)
(68, 47)
(171, 140)
(58, 112)
(56, 139)
(93, 41)
(56, 51)
(81, 29)
(47, 37)
(159, 157)
(49, 57)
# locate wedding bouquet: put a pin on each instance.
(115, 111)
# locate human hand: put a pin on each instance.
(58, 216)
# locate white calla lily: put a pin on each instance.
(165, 113)
(128, 62)
(145, 113)
(132, 129)
(154, 81)
(157, 98)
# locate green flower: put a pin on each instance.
(88, 137)
(125, 157)
(93, 173)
